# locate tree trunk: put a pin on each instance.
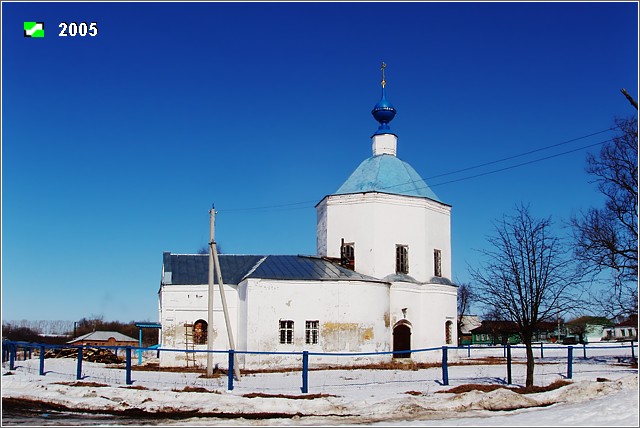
(530, 361)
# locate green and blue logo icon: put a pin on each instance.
(34, 29)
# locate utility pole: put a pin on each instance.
(210, 294)
(214, 262)
(629, 97)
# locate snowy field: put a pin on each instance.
(603, 392)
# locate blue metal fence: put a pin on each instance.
(10, 350)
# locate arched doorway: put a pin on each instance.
(402, 340)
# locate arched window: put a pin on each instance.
(448, 332)
(200, 332)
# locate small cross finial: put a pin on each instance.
(384, 82)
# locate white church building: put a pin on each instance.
(380, 282)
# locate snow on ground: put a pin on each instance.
(602, 393)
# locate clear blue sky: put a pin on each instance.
(114, 147)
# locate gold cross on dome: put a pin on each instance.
(384, 82)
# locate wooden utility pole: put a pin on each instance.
(210, 296)
(213, 253)
(630, 98)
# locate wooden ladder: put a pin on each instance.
(189, 344)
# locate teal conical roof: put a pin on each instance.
(386, 174)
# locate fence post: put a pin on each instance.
(24, 350)
(230, 370)
(584, 350)
(140, 349)
(445, 369)
(79, 369)
(41, 360)
(128, 364)
(469, 350)
(570, 362)
(305, 372)
(508, 349)
(633, 352)
(12, 357)
(504, 351)
(541, 350)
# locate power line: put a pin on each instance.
(522, 154)
(269, 206)
(523, 163)
(507, 158)
(296, 205)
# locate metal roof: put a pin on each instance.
(386, 174)
(104, 336)
(192, 269)
(189, 269)
(305, 268)
(148, 325)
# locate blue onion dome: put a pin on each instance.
(383, 112)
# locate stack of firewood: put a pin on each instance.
(93, 355)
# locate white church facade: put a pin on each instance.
(380, 281)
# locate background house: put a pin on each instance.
(588, 329)
(468, 323)
(624, 330)
(503, 332)
(495, 333)
(104, 338)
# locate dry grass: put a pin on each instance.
(138, 387)
(291, 397)
(195, 389)
(519, 389)
(91, 384)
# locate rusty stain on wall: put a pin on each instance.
(367, 334)
(387, 319)
(345, 336)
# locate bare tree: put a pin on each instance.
(465, 298)
(526, 276)
(606, 239)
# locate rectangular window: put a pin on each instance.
(402, 259)
(348, 255)
(286, 331)
(622, 331)
(311, 332)
(437, 263)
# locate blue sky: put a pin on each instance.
(114, 147)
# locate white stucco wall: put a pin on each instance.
(428, 308)
(353, 317)
(180, 304)
(376, 222)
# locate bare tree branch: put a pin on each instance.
(606, 239)
(526, 276)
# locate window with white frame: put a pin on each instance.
(311, 332)
(402, 258)
(437, 263)
(286, 331)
